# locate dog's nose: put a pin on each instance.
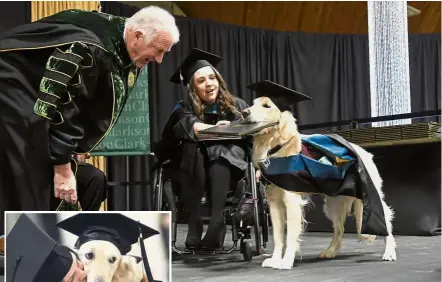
(245, 113)
(99, 279)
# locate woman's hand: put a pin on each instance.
(258, 175)
(198, 126)
(222, 123)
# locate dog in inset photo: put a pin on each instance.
(103, 262)
(288, 206)
(104, 241)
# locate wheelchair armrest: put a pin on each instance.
(158, 164)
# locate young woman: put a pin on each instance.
(217, 165)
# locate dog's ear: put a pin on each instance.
(124, 268)
(287, 126)
(137, 259)
(77, 244)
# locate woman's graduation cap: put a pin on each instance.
(196, 60)
(34, 256)
(118, 229)
(284, 98)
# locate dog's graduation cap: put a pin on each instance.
(196, 60)
(284, 98)
(34, 256)
(118, 229)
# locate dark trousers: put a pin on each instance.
(219, 176)
(91, 188)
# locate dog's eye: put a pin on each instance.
(89, 256)
(266, 106)
(112, 259)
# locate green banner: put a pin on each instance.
(131, 133)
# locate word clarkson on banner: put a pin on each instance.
(131, 133)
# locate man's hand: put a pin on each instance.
(222, 123)
(81, 158)
(76, 273)
(65, 185)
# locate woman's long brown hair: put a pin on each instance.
(225, 98)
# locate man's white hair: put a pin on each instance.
(151, 20)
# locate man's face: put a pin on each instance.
(142, 53)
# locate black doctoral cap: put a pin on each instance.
(196, 60)
(284, 98)
(115, 228)
(34, 256)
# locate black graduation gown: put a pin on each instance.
(180, 144)
(63, 83)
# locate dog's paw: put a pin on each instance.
(286, 264)
(366, 237)
(274, 263)
(278, 263)
(327, 254)
(389, 256)
(270, 262)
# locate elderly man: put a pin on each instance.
(63, 83)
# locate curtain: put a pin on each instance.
(41, 9)
(331, 68)
(14, 13)
(425, 71)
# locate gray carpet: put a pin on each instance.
(419, 259)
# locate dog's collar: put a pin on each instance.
(274, 150)
(263, 165)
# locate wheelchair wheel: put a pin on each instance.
(247, 251)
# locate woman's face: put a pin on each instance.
(206, 85)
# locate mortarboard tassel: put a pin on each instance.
(145, 261)
(17, 262)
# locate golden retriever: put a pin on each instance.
(103, 262)
(288, 205)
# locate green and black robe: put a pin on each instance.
(63, 82)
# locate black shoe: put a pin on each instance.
(214, 238)
(194, 234)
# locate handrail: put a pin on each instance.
(369, 120)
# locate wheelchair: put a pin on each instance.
(166, 198)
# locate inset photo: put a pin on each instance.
(89, 247)
(2, 257)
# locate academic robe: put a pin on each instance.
(63, 83)
(180, 144)
(343, 174)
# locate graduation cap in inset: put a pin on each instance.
(284, 98)
(117, 229)
(32, 255)
(196, 60)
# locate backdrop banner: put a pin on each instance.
(131, 133)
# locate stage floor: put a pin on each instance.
(419, 259)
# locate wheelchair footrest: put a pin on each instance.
(204, 251)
